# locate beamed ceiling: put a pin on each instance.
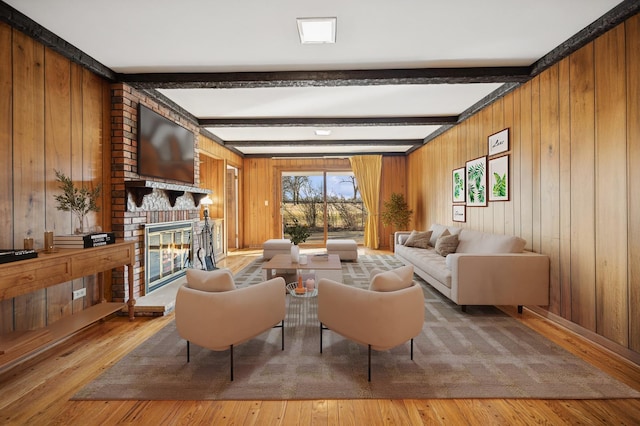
(399, 74)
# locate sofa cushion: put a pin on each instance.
(393, 280)
(428, 261)
(437, 230)
(446, 244)
(471, 241)
(211, 281)
(418, 239)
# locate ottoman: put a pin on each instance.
(276, 246)
(346, 249)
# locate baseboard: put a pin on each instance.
(603, 343)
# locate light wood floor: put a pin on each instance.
(37, 391)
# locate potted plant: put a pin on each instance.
(298, 234)
(78, 201)
(396, 212)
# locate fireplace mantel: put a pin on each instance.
(139, 188)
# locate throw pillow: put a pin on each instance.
(211, 281)
(418, 239)
(446, 244)
(393, 280)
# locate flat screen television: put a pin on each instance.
(165, 149)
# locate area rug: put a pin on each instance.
(482, 353)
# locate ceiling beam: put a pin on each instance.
(243, 80)
(341, 142)
(21, 22)
(326, 121)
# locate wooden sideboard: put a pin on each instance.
(49, 269)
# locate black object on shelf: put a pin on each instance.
(7, 256)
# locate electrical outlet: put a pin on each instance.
(77, 294)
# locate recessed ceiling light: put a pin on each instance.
(317, 30)
(323, 132)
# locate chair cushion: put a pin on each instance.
(418, 239)
(393, 280)
(211, 281)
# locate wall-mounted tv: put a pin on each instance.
(165, 149)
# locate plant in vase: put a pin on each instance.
(298, 234)
(396, 212)
(78, 201)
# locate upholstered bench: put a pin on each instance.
(346, 249)
(276, 246)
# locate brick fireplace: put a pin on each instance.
(139, 201)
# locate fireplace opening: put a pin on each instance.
(167, 253)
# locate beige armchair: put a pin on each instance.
(211, 312)
(387, 314)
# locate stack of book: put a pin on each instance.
(320, 257)
(84, 240)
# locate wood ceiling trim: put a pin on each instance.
(341, 142)
(327, 121)
(23, 23)
(244, 80)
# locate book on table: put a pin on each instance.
(84, 240)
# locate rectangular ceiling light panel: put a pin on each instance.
(317, 30)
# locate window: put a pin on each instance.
(328, 202)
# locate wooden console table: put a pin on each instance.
(49, 269)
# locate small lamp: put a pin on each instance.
(206, 202)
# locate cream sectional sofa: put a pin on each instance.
(486, 269)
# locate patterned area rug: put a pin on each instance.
(483, 353)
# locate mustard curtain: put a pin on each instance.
(367, 169)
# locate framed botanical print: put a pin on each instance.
(476, 182)
(458, 181)
(499, 178)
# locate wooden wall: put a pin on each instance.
(261, 191)
(53, 115)
(574, 156)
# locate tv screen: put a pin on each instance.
(165, 149)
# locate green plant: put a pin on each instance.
(298, 233)
(78, 201)
(396, 212)
(476, 188)
(500, 187)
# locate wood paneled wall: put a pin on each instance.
(261, 191)
(52, 117)
(574, 156)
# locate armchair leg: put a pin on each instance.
(188, 357)
(231, 360)
(369, 369)
(411, 349)
(519, 309)
(464, 308)
(282, 327)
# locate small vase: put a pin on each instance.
(295, 253)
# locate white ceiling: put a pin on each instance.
(152, 36)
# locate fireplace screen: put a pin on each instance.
(167, 253)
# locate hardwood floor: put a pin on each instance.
(38, 390)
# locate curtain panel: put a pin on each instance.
(367, 169)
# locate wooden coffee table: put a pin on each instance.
(330, 267)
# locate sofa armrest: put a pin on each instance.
(380, 319)
(499, 279)
(398, 234)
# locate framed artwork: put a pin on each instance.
(459, 213)
(458, 185)
(499, 179)
(476, 181)
(499, 142)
